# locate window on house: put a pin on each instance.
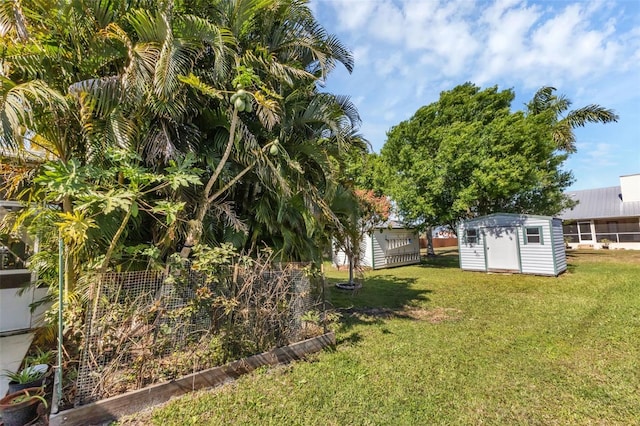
(533, 235)
(13, 253)
(471, 236)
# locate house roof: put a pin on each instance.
(600, 203)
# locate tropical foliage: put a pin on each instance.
(134, 130)
(359, 211)
(232, 85)
(565, 121)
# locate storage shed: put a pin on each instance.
(504, 242)
(388, 245)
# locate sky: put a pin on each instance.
(407, 52)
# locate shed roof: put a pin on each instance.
(511, 215)
(392, 224)
(600, 203)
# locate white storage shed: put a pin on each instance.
(388, 245)
(504, 242)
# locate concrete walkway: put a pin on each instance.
(12, 352)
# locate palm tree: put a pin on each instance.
(286, 53)
(565, 122)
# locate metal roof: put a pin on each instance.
(392, 224)
(600, 203)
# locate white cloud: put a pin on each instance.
(361, 55)
(352, 15)
(408, 51)
(599, 153)
(388, 65)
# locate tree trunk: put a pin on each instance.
(195, 228)
(430, 251)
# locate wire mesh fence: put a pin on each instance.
(150, 326)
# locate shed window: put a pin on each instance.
(471, 236)
(533, 235)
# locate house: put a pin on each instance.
(387, 245)
(15, 310)
(516, 243)
(610, 215)
(16, 317)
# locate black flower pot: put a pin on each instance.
(16, 387)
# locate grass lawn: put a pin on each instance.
(431, 344)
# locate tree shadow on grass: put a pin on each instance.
(379, 291)
(444, 259)
(380, 298)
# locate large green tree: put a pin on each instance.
(468, 155)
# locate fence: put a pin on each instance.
(146, 327)
(439, 242)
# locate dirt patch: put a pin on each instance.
(434, 315)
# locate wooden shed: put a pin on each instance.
(388, 245)
(504, 242)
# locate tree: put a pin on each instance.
(282, 199)
(563, 124)
(468, 155)
(360, 211)
(158, 78)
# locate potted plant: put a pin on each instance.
(20, 408)
(40, 357)
(28, 378)
(605, 243)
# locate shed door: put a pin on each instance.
(502, 249)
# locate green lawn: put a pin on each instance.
(431, 344)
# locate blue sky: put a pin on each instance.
(407, 52)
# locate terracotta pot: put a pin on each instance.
(23, 412)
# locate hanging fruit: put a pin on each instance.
(242, 100)
(274, 147)
(239, 103)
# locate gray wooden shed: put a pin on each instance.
(504, 242)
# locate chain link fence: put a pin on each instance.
(149, 326)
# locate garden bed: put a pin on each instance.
(115, 407)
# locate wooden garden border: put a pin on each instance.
(131, 402)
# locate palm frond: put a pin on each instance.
(590, 114)
(563, 136)
(18, 103)
(13, 20)
(226, 211)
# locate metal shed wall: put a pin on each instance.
(385, 248)
(394, 247)
(546, 257)
(471, 254)
(559, 249)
